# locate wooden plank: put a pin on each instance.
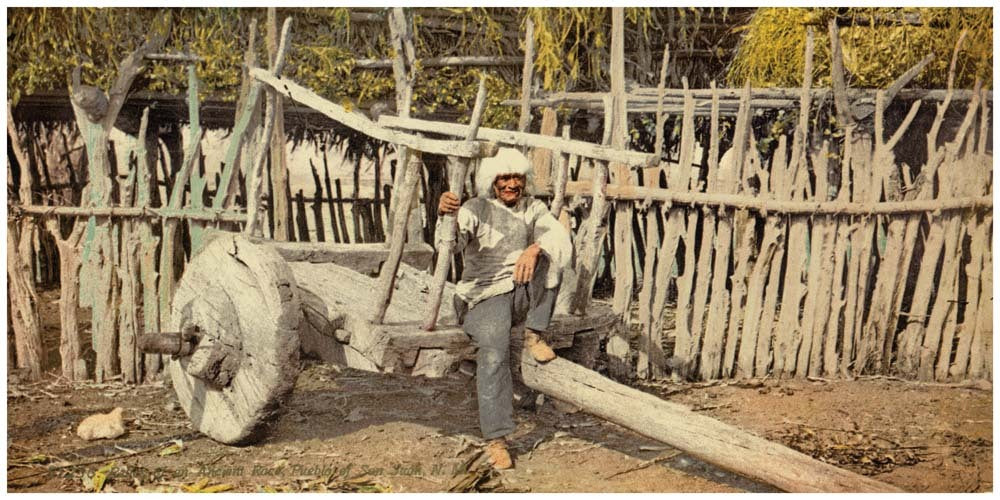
(362, 124)
(194, 214)
(703, 437)
(633, 159)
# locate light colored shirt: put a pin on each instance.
(494, 235)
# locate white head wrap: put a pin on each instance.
(506, 162)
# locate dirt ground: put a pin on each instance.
(347, 430)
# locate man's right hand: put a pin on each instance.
(449, 203)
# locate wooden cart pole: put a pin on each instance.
(458, 170)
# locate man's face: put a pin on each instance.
(509, 188)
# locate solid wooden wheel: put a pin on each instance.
(242, 301)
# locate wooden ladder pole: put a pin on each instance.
(456, 182)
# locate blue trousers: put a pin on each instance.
(488, 323)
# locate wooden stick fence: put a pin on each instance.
(825, 258)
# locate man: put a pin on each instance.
(515, 251)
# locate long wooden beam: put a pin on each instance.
(356, 121)
(432, 62)
(650, 94)
(698, 435)
(735, 201)
(507, 137)
(203, 214)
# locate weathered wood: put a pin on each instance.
(300, 217)
(21, 285)
(247, 111)
(334, 220)
(437, 62)
(342, 215)
(966, 330)
(260, 318)
(459, 170)
(362, 124)
(524, 119)
(279, 158)
(701, 436)
(624, 281)
(980, 359)
(589, 238)
(194, 214)
(765, 206)
(646, 336)
(171, 227)
(387, 275)
(583, 149)
(789, 336)
(705, 247)
(72, 366)
(364, 258)
(317, 206)
(684, 354)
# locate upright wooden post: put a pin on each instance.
(279, 160)
(171, 227)
(527, 74)
(459, 169)
(21, 285)
(624, 278)
(98, 286)
(401, 33)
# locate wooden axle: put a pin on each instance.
(180, 343)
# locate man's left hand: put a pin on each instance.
(524, 268)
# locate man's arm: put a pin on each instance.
(467, 221)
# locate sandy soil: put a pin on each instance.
(346, 430)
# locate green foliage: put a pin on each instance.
(772, 50)
(45, 44)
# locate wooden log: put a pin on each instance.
(583, 149)
(71, 364)
(365, 258)
(362, 124)
(646, 337)
(701, 436)
(459, 171)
